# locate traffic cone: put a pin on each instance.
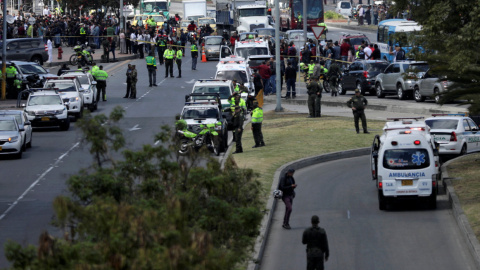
(204, 57)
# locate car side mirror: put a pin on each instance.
(23, 105)
(94, 83)
(27, 123)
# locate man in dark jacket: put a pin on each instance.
(316, 240)
(290, 79)
(358, 104)
(238, 129)
(287, 186)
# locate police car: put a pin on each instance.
(89, 86)
(71, 92)
(235, 68)
(455, 133)
(222, 87)
(45, 107)
(203, 109)
(405, 163)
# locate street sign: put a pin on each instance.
(31, 20)
(318, 31)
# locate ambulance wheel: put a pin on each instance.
(432, 201)
(382, 205)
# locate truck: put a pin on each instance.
(156, 7)
(194, 9)
(405, 163)
(243, 16)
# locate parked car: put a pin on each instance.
(344, 8)
(23, 123)
(26, 49)
(25, 69)
(399, 79)
(212, 46)
(361, 74)
(11, 139)
(430, 86)
(355, 39)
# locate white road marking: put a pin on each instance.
(348, 214)
(38, 180)
(157, 142)
(134, 128)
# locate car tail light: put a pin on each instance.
(416, 142)
(445, 84)
(434, 180)
(453, 137)
(394, 143)
(365, 74)
(380, 185)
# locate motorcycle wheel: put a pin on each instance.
(326, 86)
(73, 60)
(184, 148)
(215, 149)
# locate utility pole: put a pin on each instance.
(121, 15)
(304, 20)
(4, 52)
(278, 73)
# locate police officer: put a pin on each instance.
(178, 59)
(358, 104)
(94, 68)
(334, 74)
(314, 91)
(238, 87)
(194, 52)
(238, 129)
(161, 44)
(236, 100)
(11, 75)
(299, 20)
(316, 240)
(106, 50)
(152, 69)
(311, 66)
(83, 33)
(169, 55)
(257, 119)
(101, 78)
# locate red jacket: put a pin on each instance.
(263, 70)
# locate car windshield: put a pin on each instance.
(416, 68)
(358, 41)
(246, 52)
(345, 5)
(158, 18)
(376, 67)
(200, 112)
(251, 12)
(32, 69)
(266, 32)
(61, 86)
(442, 123)
(295, 35)
(239, 75)
(205, 21)
(256, 61)
(7, 125)
(213, 41)
(82, 78)
(45, 100)
(184, 24)
(406, 159)
(224, 91)
(244, 36)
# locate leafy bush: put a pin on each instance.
(332, 15)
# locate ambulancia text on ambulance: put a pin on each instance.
(405, 163)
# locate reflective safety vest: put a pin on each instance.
(237, 88)
(179, 54)
(94, 69)
(257, 115)
(325, 70)
(310, 68)
(161, 43)
(151, 61)
(82, 31)
(101, 75)
(151, 22)
(299, 18)
(11, 72)
(194, 48)
(242, 103)
(169, 53)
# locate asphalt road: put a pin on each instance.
(361, 236)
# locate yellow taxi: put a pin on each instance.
(184, 25)
(203, 21)
(158, 19)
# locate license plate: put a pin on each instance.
(45, 118)
(407, 182)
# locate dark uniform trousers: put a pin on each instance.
(315, 263)
(238, 139)
(152, 75)
(179, 65)
(318, 106)
(311, 104)
(360, 114)
(161, 51)
(101, 85)
(257, 133)
(169, 66)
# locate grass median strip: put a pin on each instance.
(292, 136)
(464, 173)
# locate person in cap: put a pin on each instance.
(257, 119)
(316, 240)
(314, 91)
(169, 54)
(238, 118)
(399, 53)
(358, 104)
(287, 186)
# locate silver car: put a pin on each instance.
(23, 123)
(212, 46)
(399, 79)
(11, 140)
(430, 86)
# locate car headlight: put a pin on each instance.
(73, 99)
(31, 113)
(13, 139)
(209, 50)
(59, 111)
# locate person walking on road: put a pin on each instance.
(257, 119)
(161, 44)
(152, 69)
(314, 89)
(290, 79)
(287, 186)
(101, 78)
(169, 55)
(316, 240)
(194, 52)
(358, 104)
(238, 118)
(178, 60)
(129, 80)
(133, 84)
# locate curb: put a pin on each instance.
(118, 59)
(462, 221)
(262, 238)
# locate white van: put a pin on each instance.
(405, 163)
(344, 8)
(235, 68)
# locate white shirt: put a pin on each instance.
(361, 12)
(45, 12)
(367, 52)
(49, 45)
(140, 39)
(133, 37)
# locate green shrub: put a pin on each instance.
(332, 15)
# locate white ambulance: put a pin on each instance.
(235, 68)
(250, 47)
(405, 163)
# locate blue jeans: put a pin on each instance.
(273, 84)
(291, 87)
(194, 62)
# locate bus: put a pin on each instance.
(156, 7)
(391, 32)
(289, 10)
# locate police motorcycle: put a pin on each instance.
(83, 55)
(192, 141)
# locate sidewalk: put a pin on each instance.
(352, 25)
(97, 56)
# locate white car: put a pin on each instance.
(89, 86)
(235, 68)
(455, 134)
(71, 92)
(11, 139)
(222, 87)
(46, 108)
(23, 123)
(344, 8)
